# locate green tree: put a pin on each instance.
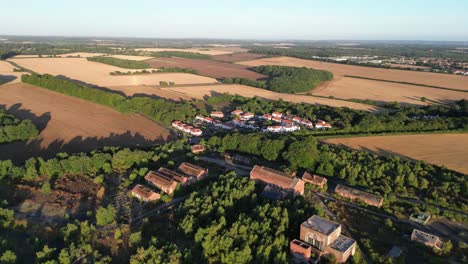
(105, 215)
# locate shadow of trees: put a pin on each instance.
(40, 121)
(7, 78)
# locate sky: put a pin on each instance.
(241, 19)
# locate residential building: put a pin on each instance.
(296, 119)
(307, 123)
(200, 117)
(324, 237)
(267, 116)
(215, 114)
(196, 132)
(193, 170)
(144, 193)
(368, 198)
(237, 112)
(314, 179)
(161, 181)
(322, 124)
(196, 149)
(277, 119)
(274, 129)
(277, 114)
(427, 239)
(277, 179)
(248, 116)
(208, 120)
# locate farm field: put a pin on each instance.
(448, 150)
(426, 78)
(151, 90)
(235, 57)
(214, 69)
(353, 88)
(129, 57)
(7, 74)
(72, 125)
(201, 91)
(99, 74)
(207, 51)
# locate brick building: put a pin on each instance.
(426, 238)
(314, 179)
(144, 193)
(178, 177)
(277, 179)
(368, 198)
(193, 170)
(163, 182)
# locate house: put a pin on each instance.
(287, 122)
(215, 114)
(196, 132)
(267, 116)
(324, 237)
(277, 179)
(208, 120)
(200, 117)
(178, 177)
(314, 179)
(161, 181)
(196, 149)
(248, 116)
(351, 193)
(427, 239)
(307, 123)
(274, 129)
(277, 114)
(177, 124)
(237, 112)
(193, 170)
(277, 119)
(290, 128)
(296, 119)
(322, 124)
(144, 193)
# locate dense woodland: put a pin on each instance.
(13, 129)
(127, 64)
(160, 70)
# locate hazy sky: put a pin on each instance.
(254, 19)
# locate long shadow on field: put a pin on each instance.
(17, 110)
(7, 78)
(18, 152)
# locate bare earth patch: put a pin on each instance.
(129, 57)
(72, 125)
(201, 91)
(96, 73)
(450, 150)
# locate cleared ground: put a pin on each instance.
(450, 150)
(7, 75)
(427, 78)
(235, 57)
(353, 88)
(208, 51)
(72, 125)
(201, 91)
(214, 69)
(96, 73)
(129, 57)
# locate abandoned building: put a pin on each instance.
(323, 237)
(163, 182)
(178, 177)
(196, 149)
(355, 194)
(426, 238)
(314, 179)
(193, 170)
(277, 179)
(144, 193)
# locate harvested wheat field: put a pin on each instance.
(72, 125)
(450, 150)
(235, 57)
(353, 88)
(96, 73)
(207, 51)
(7, 75)
(427, 78)
(130, 57)
(201, 91)
(80, 54)
(214, 69)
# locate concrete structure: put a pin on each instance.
(144, 193)
(193, 170)
(161, 181)
(300, 249)
(277, 179)
(368, 198)
(314, 179)
(324, 237)
(421, 218)
(427, 239)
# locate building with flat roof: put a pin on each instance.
(314, 179)
(193, 170)
(355, 194)
(427, 239)
(324, 237)
(277, 179)
(300, 249)
(144, 193)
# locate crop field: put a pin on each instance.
(151, 90)
(72, 125)
(99, 74)
(129, 57)
(7, 74)
(207, 51)
(235, 57)
(353, 88)
(201, 91)
(426, 78)
(214, 69)
(448, 150)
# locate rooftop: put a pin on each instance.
(272, 176)
(342, 243)
(321, 225)
(358, 193)
(191, 169)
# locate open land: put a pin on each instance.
(7, 74)
(72, 125)
(354, 88)
(201, 91)
(207, 51)
(154, 90)
(96, 73)
(448, 150)
(426, 78)
(235, 57)
(130, 57)
(214, 69)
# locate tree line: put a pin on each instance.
(181, 54)
(127, 64)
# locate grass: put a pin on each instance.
(127, 64)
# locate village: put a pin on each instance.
(275, 122)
